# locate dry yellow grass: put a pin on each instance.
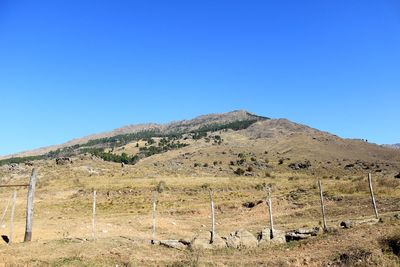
(62, 221)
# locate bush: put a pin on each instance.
(239, 171)
(162, 185)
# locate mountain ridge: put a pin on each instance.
(186, 124)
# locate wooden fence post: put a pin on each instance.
(14, 201)
(94, 215)
(29, 207)
(153, 236)
(212, 217)
(322, 205)
(371, 190)
(269, 203)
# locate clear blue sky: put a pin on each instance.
(69, 68)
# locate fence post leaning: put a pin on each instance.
(371, 190)
(212, 217)
(153, 238)
(29, 207)
(94, 215)
(269, 203)
(321, 194)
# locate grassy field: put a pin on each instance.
(62, 233)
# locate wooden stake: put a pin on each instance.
(29, 207)
(153, 240)
(94, 215)
(271, 221)
(14, 201)
(371, 190)
(212, 217)
(322, 205)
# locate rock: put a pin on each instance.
(309, 231)
(252, 204)
(279, 237)
(63, 161)
(5, 239)
(292, 236)
(397, 176)
(300, 165)
(185, 241)
(241, 239)
(350, 224)
(202, 241)
(302, 233)
(346, 224)
(176, 244)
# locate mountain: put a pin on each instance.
(396, 146)
(243, 139)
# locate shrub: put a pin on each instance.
(239, 171)
(162, 185)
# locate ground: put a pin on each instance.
(62, 230)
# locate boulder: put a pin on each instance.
(63, 161)
(278, 237)
(202, 241)
(346, 224)
(241, 239)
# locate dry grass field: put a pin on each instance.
(62, 222)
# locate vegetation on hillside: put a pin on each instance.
(97, 147)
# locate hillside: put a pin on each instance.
(173, 127)
(396, 146)
(216, 140)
